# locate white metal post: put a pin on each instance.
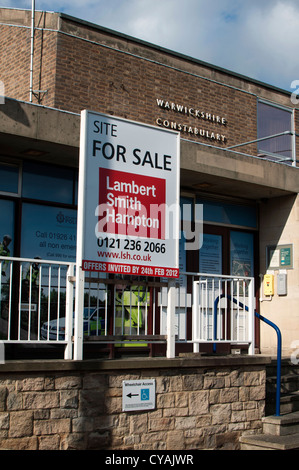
(80, 276)
(79, 305)
(251, 316)
(68, 353)
(195, 319)
(171, 319)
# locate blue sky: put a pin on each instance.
(257, 38)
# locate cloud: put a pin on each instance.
(271, 38)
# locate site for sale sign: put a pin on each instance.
(128, 209)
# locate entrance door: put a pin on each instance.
(225, 251)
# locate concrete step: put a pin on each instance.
(289, 383)
(269, 442)
(283, 425)
(289, 387)
(289, 403)
(279, 433)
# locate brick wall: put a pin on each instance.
(199, 405)
(82, 67)
(15, 63)
(124, 80)
(112, 82)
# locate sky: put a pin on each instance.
(256, 38)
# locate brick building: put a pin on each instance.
(238, 161)
(248, 185)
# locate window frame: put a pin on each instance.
(274, 156)
(19, 200)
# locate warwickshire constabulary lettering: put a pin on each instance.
(195, 113)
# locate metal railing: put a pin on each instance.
(278, 358)
(217, 320)
(37, 305)
(127, 306)
(36, 301)
(278, 353)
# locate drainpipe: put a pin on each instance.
(32, 50)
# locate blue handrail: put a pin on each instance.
(278, 367)
(279, 343)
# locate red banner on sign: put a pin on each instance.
(131, 204)
(129, 269)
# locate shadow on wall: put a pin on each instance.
(278, 226)
(14, 111)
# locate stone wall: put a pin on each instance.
(200, 404)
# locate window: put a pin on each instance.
(229, 214)
(45, 223)
(7, 216)
(48, 183)
(210, 254)
(241, 254)
(48, 232)
(9, 178)
(273, 120)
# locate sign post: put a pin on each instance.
(128, 202)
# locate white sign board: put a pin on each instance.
(139, 395)
(128, 210)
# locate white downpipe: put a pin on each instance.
(32, 50)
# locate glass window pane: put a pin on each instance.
(76, 189)
(48, 233)
(9, 178)
(47, 183)
(7, 218)
(210, 254)
(229, 214)
(271, 121)
(241, 254)
(187, 208)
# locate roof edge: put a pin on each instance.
(202, 63)
(172, 52)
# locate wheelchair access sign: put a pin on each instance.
(139, 395)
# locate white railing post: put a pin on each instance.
(69, 305)
(251, 317)
(195, 316)
(171, 319)
(79, 305)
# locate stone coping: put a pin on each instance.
(132, 363)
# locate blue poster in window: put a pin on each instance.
(49, 233)
(210, 254)
(241, 254)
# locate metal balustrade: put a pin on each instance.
(37, 305)
(36, 301)
(217, 319)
